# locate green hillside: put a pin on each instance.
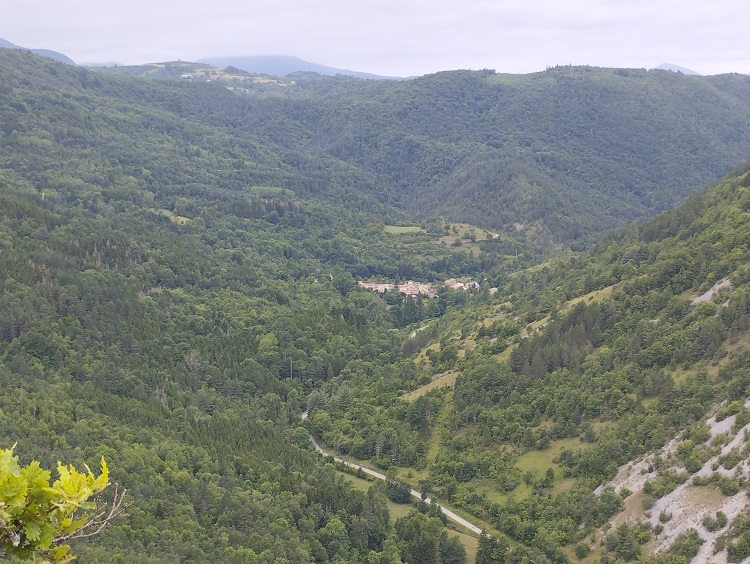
(179, 268)
(579, 367)
(187, 140)
(166, 304)
(556, 155)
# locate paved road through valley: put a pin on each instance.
(449, 514)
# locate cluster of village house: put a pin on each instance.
(415, 289)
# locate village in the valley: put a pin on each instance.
(416, 289)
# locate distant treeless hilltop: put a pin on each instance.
(4, 44)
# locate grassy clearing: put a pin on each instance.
(522, 492)
(597, 296)
(414, 476)
(422, 356)
(739, 344)
(359, 483)
(464, 247)
(487, 487)
(471, 544)
(537, 461)
(534, 327)
(400, 229)
(178, 219)
(680, 376)
(632, 510)
(563, 486)
(600, 426)
(442, 382)
(505, 355)
(468, 235)
(439, 426)
(468, 344)
(500, 313)
(464, 230)
(454, 338)
(536, 268)
(397, 510)
(411, 475)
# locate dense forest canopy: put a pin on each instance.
(167, 305)
(586, 363)
(179, 268)
(557, 155)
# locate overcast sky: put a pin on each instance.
(394, 37)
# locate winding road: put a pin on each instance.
(448, 513)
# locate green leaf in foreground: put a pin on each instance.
(38, 519)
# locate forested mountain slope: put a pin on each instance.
(161, 309)
(174, 136)
(178, 283)
(558, 154)
(574, 369)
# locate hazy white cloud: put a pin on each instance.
(394, 37)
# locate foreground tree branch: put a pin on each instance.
(99, 522)
(37, 518)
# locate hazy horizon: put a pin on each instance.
(393, 38)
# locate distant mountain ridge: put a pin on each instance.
(554, 157)
(549, 152)
(677, 68)
(280, 65)
(5, 44)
